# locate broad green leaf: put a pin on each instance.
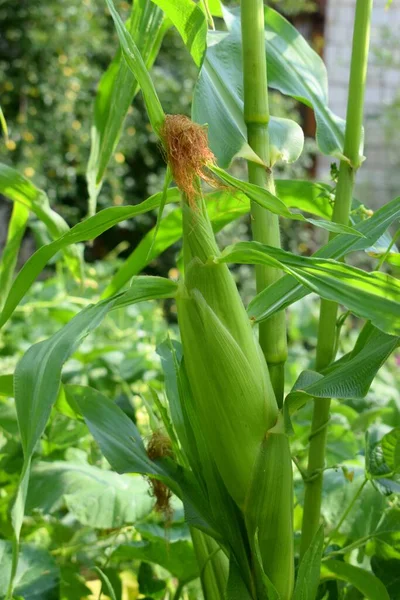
(116, 90)
(287, 290)
(15, 234)
(215, 8)
(37, 576)
(95, 497)
(373, 296)
(176, 557)
(190, 21)
(136, 64)
(19, 189)
(309, 570)
(349, 377)
(388, 572)
(391, 448)
(369, 585)
(272, 203)
(86, 230)
(296, 70)
(218, 101)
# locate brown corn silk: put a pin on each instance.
(160, 446)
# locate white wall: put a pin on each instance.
(378, 180)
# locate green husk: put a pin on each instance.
(228, 375)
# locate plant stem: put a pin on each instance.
(328, 314)
(265, 225)
(178, 591)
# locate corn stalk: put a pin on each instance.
(265, 225)
(327, 323)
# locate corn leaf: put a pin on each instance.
(309, 570)
(121, 444)
(367, 583)
(37, 382)
(350, 376)
(372, 296)
(288, 290)
(86, 230)
(190, 21)
(272, 203)
(136, 64)
(19, 189)
(117, 89)
(15, 234)
(218, 101)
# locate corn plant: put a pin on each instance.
(225, 446)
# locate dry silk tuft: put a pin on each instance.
(160, 446)
(187, 153)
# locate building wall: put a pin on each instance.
(378, 181)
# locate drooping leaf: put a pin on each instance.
(218, 101)
(349, 377)
(37, 575)
(272, 203)
(21, 190)
(15, 234)
(136, 64)
(86, 230)
(287, 290)
(95, 497)
(373, 296)
(116, 90)
(367, 583)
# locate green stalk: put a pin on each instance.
(265, 225)
(328, 314)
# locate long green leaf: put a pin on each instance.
(136, 64)
(122, 446)
(349, 377)
(288, 290)
(367, 583)
(373, 296)
(19, 189)
(37, 379)
(223, 207)
(15, 234)
(86, 230)
(117, 89)
(272, 203)
(218, 101)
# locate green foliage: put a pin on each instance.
(168, 473)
